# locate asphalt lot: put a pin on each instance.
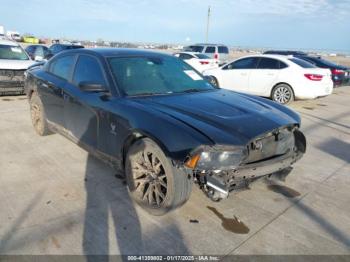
(56, 199)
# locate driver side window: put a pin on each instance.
(245, 63)
(89, 70)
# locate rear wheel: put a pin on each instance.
(153, 182)
(38, 116)
(283, 94)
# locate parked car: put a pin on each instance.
(215, 51)
(57, 48)
(38, 52)
(162, 124)
(30, 39)
(285, 52)
(340, 74)
(14, 36)
(14, 61)
(281, 78)
(198, 61)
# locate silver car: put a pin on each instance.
(215, 51)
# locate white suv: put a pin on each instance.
(14, 61)
(215, 51)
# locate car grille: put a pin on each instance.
(11, 75)
(273, 144)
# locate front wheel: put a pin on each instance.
(37, 114)
(153, 182)
(282, 94)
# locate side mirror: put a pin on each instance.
(91, 87)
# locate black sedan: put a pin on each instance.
(340, 74)
(164, 126)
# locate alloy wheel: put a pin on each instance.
(149, 178)
(282, 95)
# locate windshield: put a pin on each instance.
(12, 52)
(156, 75)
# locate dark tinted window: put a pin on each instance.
(88, 70)
(185, 56)
(62, 66)
(223, 50)
(283, 65)
(319, 62)
(245, 63)
(269, 63)
(30, 49)
(195, 48)
(302, 63)
(202, 56)
(210, 49)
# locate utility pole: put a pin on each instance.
(206, 35)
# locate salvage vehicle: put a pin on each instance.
(278, 77)
(14, 61)
(162, 124)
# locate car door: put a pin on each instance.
(85, 112)
(235, 76)
(51, 89)
(262, 80)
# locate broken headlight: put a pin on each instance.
(217, 158)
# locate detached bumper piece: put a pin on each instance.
(218, 184)
(11, 82)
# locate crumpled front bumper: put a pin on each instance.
(225, 181)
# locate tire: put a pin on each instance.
(153, 181)
(214, 81)
(38, 117)
(282, 94)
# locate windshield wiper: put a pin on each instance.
(192, 90)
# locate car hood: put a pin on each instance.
(225, 117)
(15, 64)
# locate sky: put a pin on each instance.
(299, 24)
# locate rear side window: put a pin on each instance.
(185, 56)
(62, 66)
(245, 63)
(269, 63)
(201, 56)
(88, 70)
(223, 50)
(302, 63)
(196, 48)
(210, 49)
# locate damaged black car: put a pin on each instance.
(162, 124)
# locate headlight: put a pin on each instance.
(217, 158)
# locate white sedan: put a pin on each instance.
(282, 78)
(198, 61)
